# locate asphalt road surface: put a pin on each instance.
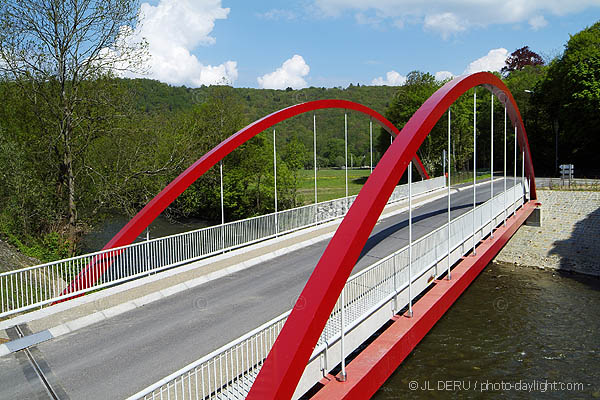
(120, 356)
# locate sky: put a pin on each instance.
(327, 43)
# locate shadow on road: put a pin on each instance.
(385, 233)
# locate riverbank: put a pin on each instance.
(11, 258)
(569, 238)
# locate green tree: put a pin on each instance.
(208, 124)
(52, 50)
(410, 97)
(294, 156)
(524, 84)
(570, 95)
(521, 58)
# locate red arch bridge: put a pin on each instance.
(431, 240)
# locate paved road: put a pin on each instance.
(120, 356)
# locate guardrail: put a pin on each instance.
(219, 375)
(36, 286)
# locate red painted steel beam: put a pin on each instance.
(95, 269)
(287, 359)
(374, 365)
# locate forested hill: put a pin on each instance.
(72, 156)
(156, 97)
(134, 136)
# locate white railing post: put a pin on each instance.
(275, 182)
(523, 173)
(515, 177)
(343, 375)
(444, 163)
(395, 284)
(410, 312)
(147, 249)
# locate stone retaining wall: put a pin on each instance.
(569, 238)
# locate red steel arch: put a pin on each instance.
(95, 269)
(287, 359)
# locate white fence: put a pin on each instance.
(36, 286)
(228, 373)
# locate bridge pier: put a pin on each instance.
(535, 219)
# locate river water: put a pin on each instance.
(516, 333)
(96, 239)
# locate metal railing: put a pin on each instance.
(218, 375)
(32, 287)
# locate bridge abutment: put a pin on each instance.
(568, 238)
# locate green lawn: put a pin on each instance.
(331, 183)
(467, 177)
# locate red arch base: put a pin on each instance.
(287, 359)
(375, 364)
(95, 269)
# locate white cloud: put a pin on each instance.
(493, 61)
(392, 78)
(445, 24)
(443, 75)
(448, 17)
(537, 22)
(173, 29)
(278, 14)
(290, 74)
(364, 19)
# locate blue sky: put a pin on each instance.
(329, 43)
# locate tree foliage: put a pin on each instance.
(59, 53)
(418, 88)
(521, 58)
(128, 138)
(570, 97)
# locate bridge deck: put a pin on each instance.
(371, 368)
(120, 356)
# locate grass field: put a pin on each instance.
(331, 183)
(467, 177)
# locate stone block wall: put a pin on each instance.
(569, 238)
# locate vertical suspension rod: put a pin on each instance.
(410, 312)
(222, 209)
(449, 176)
(275, 181)
(474, 163)
(315, 161)
(346, 153)
(504, 196)
(492, 169)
